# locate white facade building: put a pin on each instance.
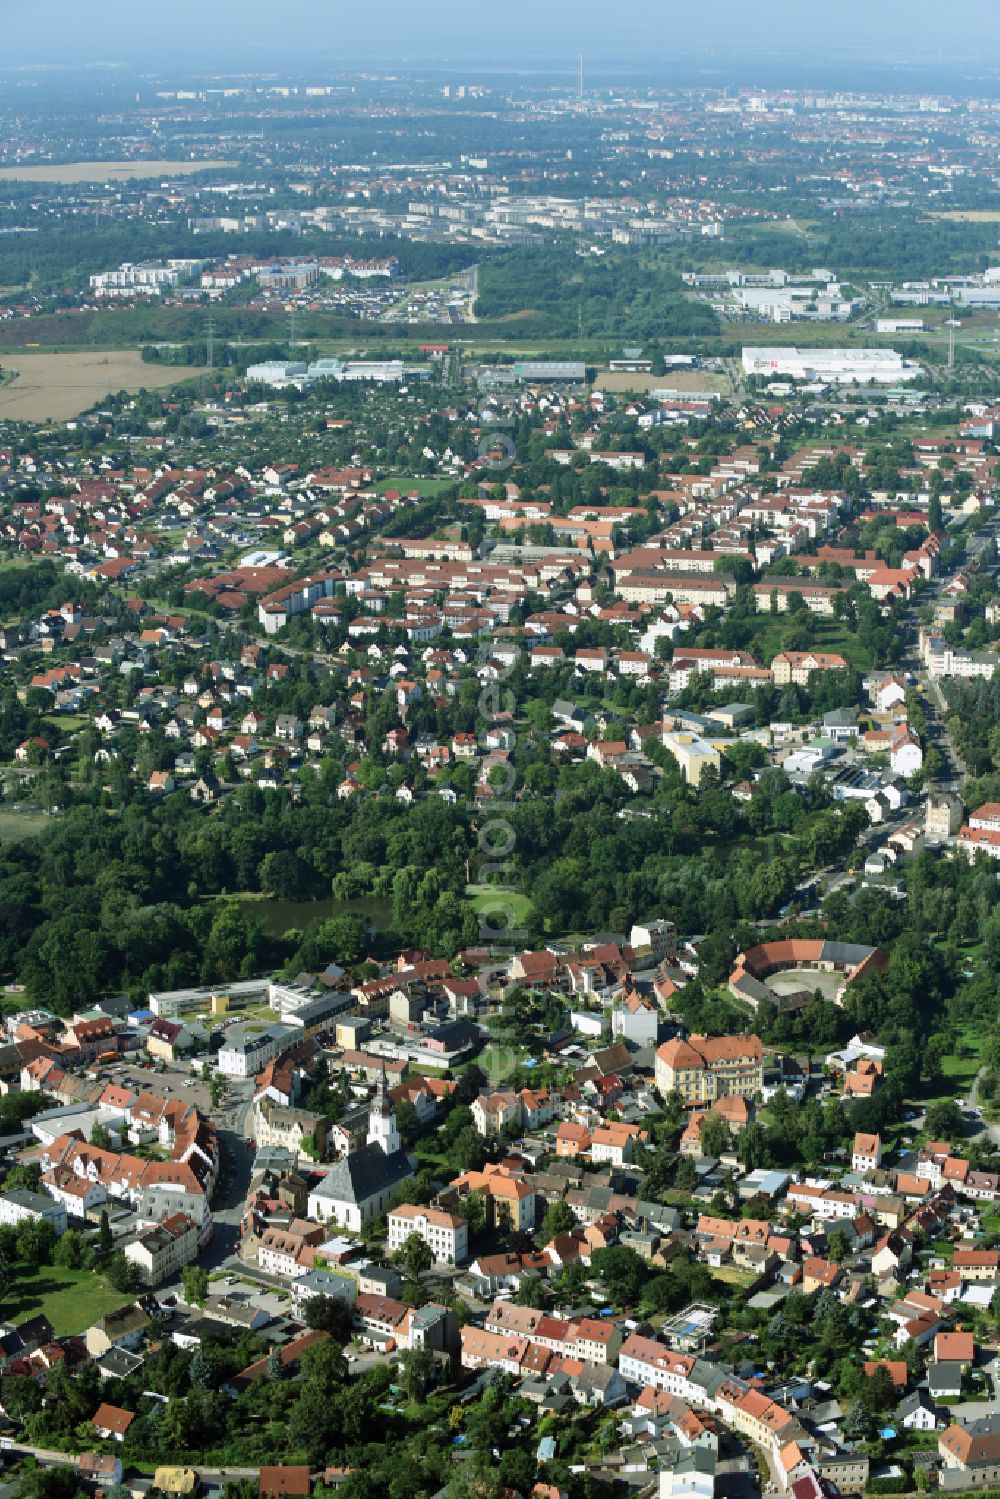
(20, 1206)
(445, 1234)
(247, 1050)
(831, 366)
(163, 1251)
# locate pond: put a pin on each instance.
(278, 916)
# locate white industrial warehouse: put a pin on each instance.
(832, 366)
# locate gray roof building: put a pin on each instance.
(359, 1186)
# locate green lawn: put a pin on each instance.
(424, 1069)
(484, 897)
(959, 1072)
(71, 1299)
(427, 1156)
(67, 721)
(17, 825)
(418, 485)
(825, 635)
(730, 1275)
(498, 1060)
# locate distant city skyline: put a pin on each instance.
(228, 34)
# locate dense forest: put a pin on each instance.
(555, 291)
(882, 243)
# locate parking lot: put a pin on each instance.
(168, 1081)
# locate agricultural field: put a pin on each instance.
(56, 387)
(694, 382)
(70, 172)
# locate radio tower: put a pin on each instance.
(581, 75)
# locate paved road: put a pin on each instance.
(935, 704)
(66, 1459)
(965, 1411)
(236, 1170)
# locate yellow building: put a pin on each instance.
(179, 1481)
(693, 755)
(352, 1031)
(705, 1068)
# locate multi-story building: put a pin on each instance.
(796, 666)
(21, 1206)
(973, 1450)
(867, 1153)
(597, 1341)
(986, 818)
(944, 815)
(510, 1201)
(91, 1036)
(704, 1068)
(693, 754)
(614, 1142)
(146, 278)
(290, 1129)
(977, 1264)
(247, 1049)
(161, 1252)
(156, 1189)
(445, 1234)
(494, 1112)
(660, 936)
(636, 1019)
(289, 1251)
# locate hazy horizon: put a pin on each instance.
(889, 35)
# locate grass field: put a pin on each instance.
(499, 1061)
(71, 1299)
(483, 897)
(407, 485)
(67, 721)
(17, 825)
(729, 1275)
(54, 387)
(71, 172)
(827, 635)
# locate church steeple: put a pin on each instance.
(382, 1129)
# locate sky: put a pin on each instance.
(613, 33)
